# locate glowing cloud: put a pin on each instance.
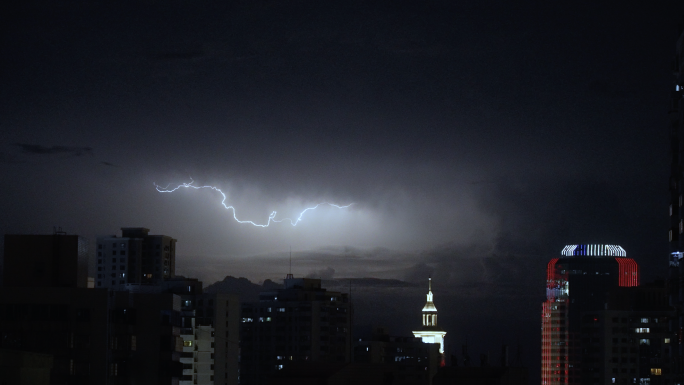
(271, 218)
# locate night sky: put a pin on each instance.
(474, 139)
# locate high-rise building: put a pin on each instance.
(676, 230)
(56, 260)
(577, 283)
(431, 333)
(302, 322)
(134, 258)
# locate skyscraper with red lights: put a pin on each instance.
(577, 283)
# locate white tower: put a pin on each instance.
(430, 333)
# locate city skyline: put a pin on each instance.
(474, 140)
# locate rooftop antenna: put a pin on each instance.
(290, 276)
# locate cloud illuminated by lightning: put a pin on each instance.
(271, 218)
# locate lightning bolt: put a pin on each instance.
(271, 217)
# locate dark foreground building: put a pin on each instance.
(676, 187)
(95, 336)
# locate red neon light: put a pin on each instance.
(628, 271)
(551, 271)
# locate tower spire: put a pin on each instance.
(430, 332)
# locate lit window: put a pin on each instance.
(279, 367)
(281, 310)
(187, 343)
(656, 371)
(642, 330)
(644, 320)
(667, 340)
(644, 341)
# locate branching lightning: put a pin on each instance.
(271, 217)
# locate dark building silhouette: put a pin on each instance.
(629, 341)
(22, 368)
(302, 322)
(416, 361)
(56, 260)
(676, 230)
(577, 283)
(95, 336)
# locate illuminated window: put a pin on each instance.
(187, 343)
(642, 330)
(644, 320)
(656, 371)
(667, 340)
(281, 310)
(644, 341)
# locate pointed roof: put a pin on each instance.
(429, 306)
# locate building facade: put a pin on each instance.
(576, 283)
(56, 260)
(134, 258)
(676, 209)
(302, 322)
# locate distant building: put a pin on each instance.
(134, 258)
(56, 260)
(416, 361)
(431, 333)
(302, 322)
(578, 283)
(478, 375)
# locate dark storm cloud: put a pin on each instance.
(6, 158)
(327, 273)
(171, 56)
(36, 149)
